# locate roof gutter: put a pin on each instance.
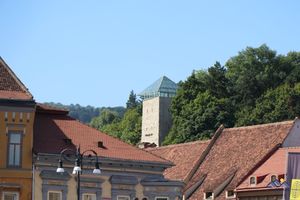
(116, 161)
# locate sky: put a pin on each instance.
(95, 52)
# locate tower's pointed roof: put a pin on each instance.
(162, 87)
(10, 85)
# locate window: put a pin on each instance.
(161, 198)
(252, 180)
(54, 195)
(6, 116)
(123, 198)
(208, 195)
(10, 196)
(13, 116)
(21, 117)
(273, 178)
(230, 194)
(89, 197)
(14, 149)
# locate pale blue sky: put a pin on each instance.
(94, 52)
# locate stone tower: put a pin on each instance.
(156, 119)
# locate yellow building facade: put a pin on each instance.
(16, 153)
(17, 109)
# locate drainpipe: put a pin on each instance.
(33, 181)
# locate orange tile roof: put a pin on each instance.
(236, 152)
(184, 156)
(274, 165)
(10, 86)
(50, 130)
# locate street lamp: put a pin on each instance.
(78, 164)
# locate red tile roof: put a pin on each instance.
(184, 156)
(10, 86)
(51, 129)
(235, 153)
(274, 165)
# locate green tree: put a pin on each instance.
(291, 62)
(252, 72)
(131, 125)
(106, 117)
(277, 104)
(132, 101)
(200, 106)
(128, 129)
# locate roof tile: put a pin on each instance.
(10, 86)
(51, 129)
(274, 165)
(237, 149)
(178, 154)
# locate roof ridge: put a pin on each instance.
(161, 81)
(261, 125)
(201, 159)
(178, 145)
(15, 77)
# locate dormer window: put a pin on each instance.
(273, 178)
(230, 194)
(252, 180)
(208, 195)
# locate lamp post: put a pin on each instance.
(78, 164)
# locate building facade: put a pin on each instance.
(156, 117)
(126, 172)
(17, 109)
(32, 137)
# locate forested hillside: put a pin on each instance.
(127, 127)
(86, 113)
(256, 86)
(120, 122)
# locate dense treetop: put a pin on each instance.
(256, 86)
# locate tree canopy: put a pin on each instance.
(127, 127)
(256, 86)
